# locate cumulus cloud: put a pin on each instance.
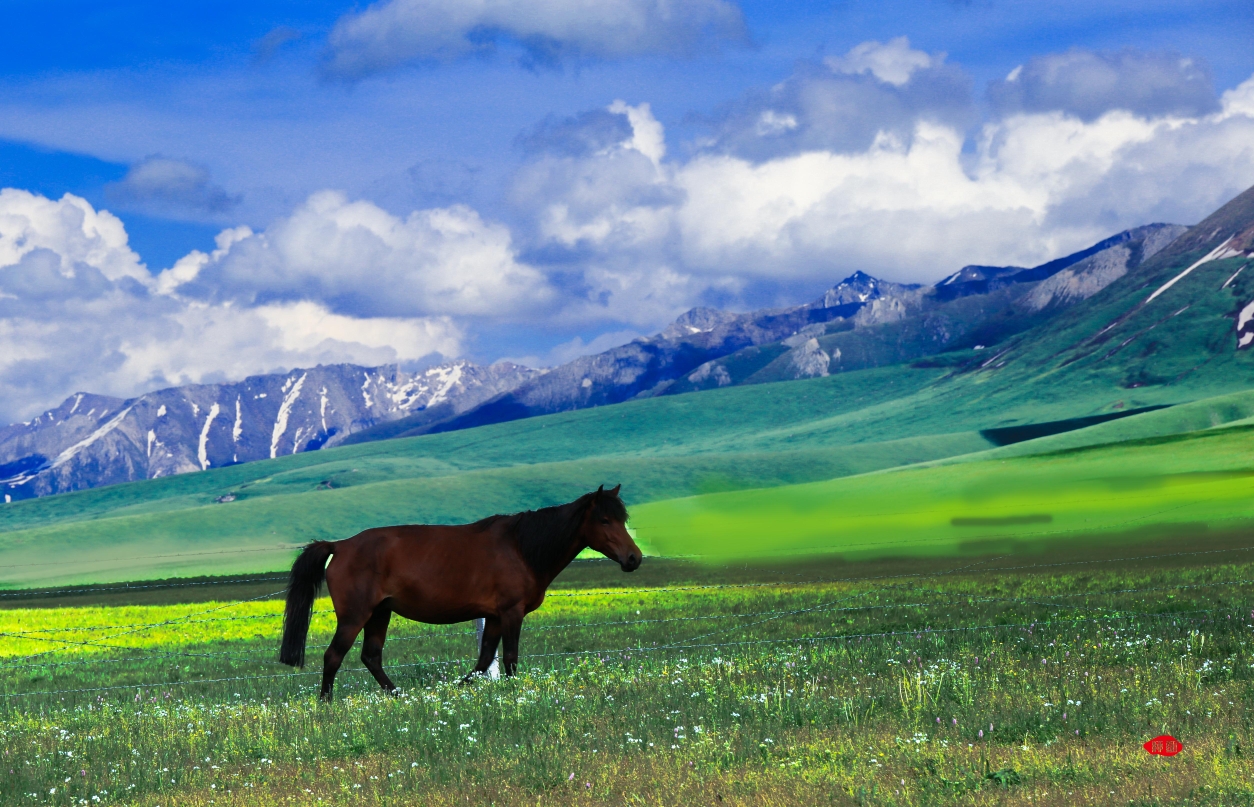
(1024, 188)
(619, 195)
(363, 261)
(79, 311)
(843, 103)
(1239, 100)
(69, 228)
(171, 188)
(873, 160)
(1089, 84)
(395, 32)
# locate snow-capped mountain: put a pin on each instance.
(92, 440)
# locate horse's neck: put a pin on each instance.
(547, 576)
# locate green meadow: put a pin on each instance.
(876, 683)
(1182, 485)
(855, 442)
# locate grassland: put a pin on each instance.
(722, 440)
(1182, 484)
(892, 683)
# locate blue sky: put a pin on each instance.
(288, 183)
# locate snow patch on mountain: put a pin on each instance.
(285, 410)
(202, 450)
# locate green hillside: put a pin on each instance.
(740, 439)
(1156, 335)
(1181, 486)
(658, 448)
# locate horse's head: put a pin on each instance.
(606, 531)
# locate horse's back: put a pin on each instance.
(429, 572)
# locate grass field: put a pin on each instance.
(1181, 484)
(990, 681)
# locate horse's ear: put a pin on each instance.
(617, 488)
(600, 490)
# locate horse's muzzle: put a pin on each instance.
(631, 563)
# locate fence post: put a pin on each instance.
(494, 671)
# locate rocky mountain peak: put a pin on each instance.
(697, 320)
(857, 288)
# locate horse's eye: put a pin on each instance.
(605, 521)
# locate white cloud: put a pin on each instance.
(393, 32)
(1239, 100)
(203, 341)
(647, 136)
(893, 210)
(892, 62)
(69, 227)
(619, 195)
(915, 211)
(78, 311)
(873, 165)
(1029, 187)
(360, 259)
(771, 123)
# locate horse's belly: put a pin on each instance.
(436, 615)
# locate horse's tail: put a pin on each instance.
(303, 585)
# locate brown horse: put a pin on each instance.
(496, 569)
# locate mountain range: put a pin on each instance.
(983, 325)
(91, 440)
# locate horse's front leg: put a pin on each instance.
(487, 647)
(511, 630)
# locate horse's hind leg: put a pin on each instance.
(345, 634)
(372, 644)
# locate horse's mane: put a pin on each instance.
(546, 534)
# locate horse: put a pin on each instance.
(496, 569)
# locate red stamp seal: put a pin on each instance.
(1164, 745)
